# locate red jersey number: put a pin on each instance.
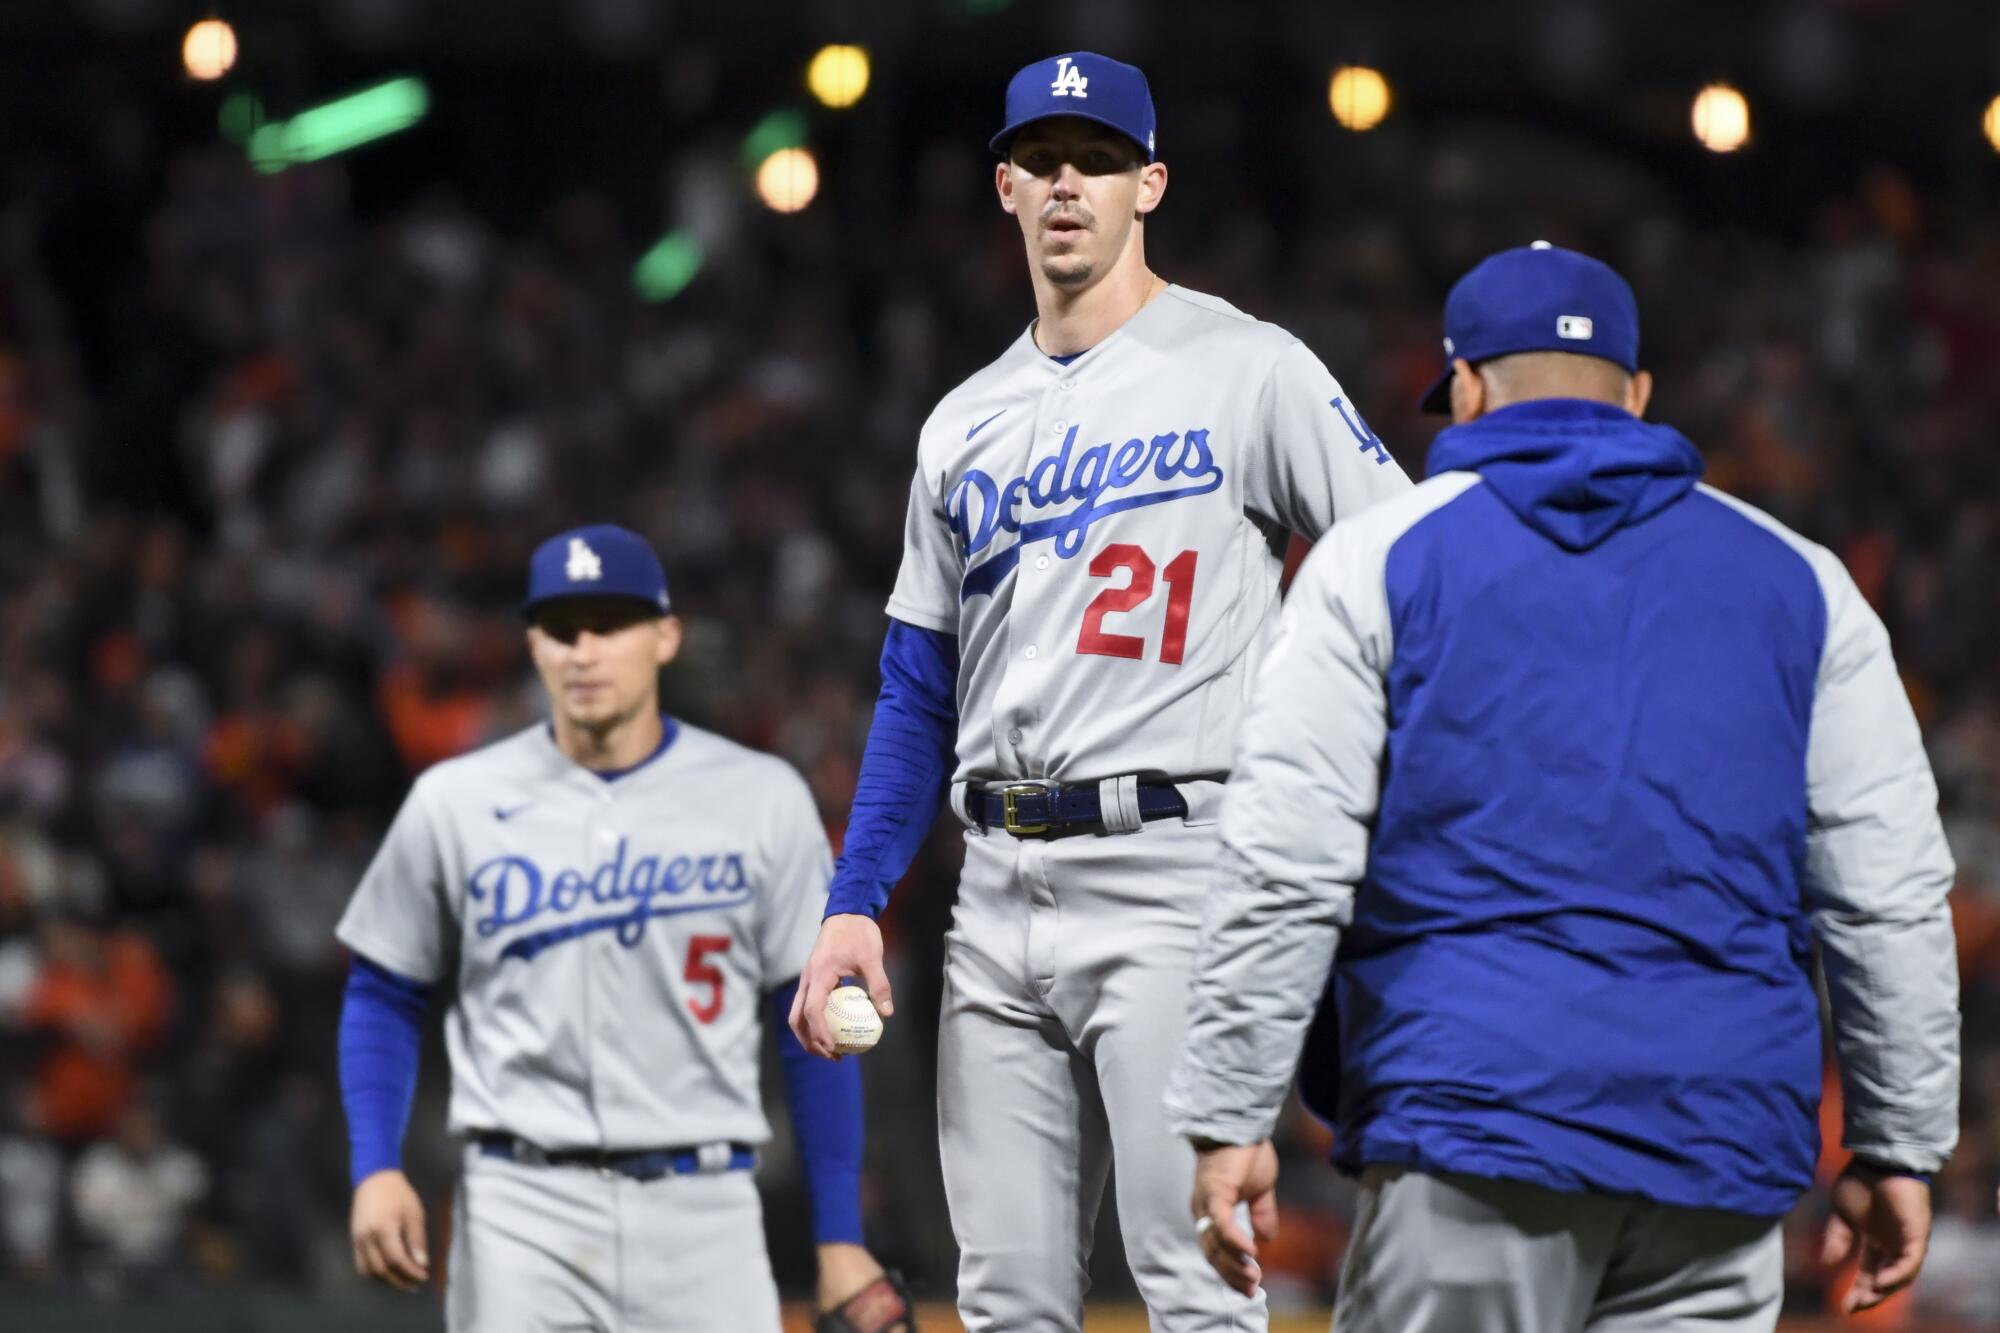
(1179, 577)
(701, 972)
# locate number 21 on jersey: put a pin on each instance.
(1137, 590)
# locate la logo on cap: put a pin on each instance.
(1069, 80)
(584, 565)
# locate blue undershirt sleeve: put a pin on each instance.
(381, 1034)
(906, 768)
(825, 1100)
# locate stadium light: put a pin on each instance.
(663, 271)
(209, 50)
(1992, 123)
(838, 75)
(1359, 97)
(788, 180)
(336, 126)
(1721, 118)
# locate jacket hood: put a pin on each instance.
(1573, 470)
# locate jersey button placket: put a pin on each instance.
(1013, 703)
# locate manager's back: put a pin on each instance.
(1580, 764)
(1602, 695)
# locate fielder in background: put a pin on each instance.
(1089, 576)
(611, 897)
(1578, 762)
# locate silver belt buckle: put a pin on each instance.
(712, 1159)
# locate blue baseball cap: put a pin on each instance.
(1538, 298)
(1085, 85)
(602, 560)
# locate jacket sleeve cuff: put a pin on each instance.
(1898, 1159)
(1220, 1108)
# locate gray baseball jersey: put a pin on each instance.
(611, 939)
(1104, 540)
(1103, 537)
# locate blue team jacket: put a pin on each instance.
(1631, 904)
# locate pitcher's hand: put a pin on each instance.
(849, 945)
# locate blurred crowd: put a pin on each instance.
(264, 515)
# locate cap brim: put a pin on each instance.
(638, 600)
(998, 143)
(1437, 398)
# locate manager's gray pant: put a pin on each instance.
(1460, 1254)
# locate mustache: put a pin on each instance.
(1069, 211)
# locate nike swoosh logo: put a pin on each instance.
(984, 424)
(504, 815)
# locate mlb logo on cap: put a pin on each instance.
(1538, 298)
(1085, 85)
(602, 560)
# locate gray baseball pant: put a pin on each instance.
(568, 1249)
(1067, 973)
(1461, 1254)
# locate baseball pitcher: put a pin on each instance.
(1091, 566)
(612, 897)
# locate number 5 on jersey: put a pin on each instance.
(1179, 578)
(701, 972)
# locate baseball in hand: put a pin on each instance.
(856, 1026)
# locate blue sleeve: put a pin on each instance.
(905, 768)
(381, 1033)
(825, 1099)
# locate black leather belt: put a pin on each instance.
(639, 1164)
(1032, 810)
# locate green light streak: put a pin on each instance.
(668, 267)
(336, 126)
(781, 129)
(239, 116)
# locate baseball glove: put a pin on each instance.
(883, 1306)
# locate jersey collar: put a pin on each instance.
(1025, 347)
(670, 731)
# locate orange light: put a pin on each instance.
(1721, 118)
(209, 49)
(1359, 97)
(788, 180)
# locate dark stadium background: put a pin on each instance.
(273, 449)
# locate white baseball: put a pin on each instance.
(856, 1026)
